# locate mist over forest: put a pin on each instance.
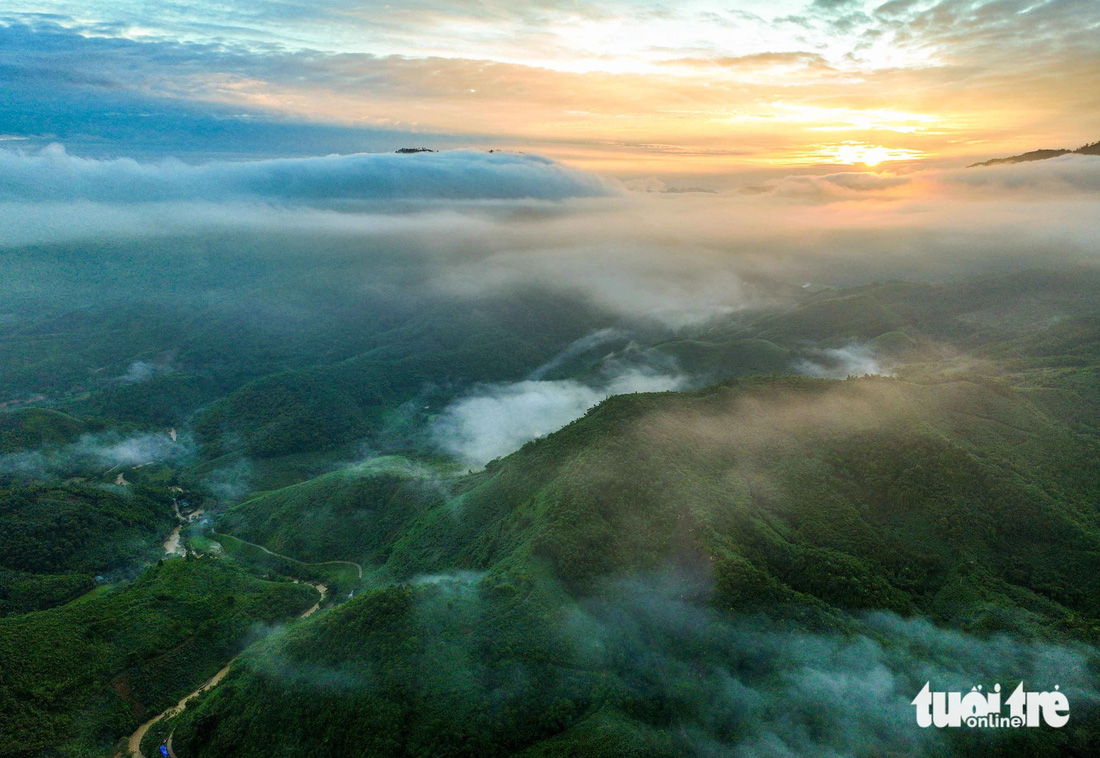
(362, 398)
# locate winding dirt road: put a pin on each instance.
(171, 545)
(294, 560)
(134, 745)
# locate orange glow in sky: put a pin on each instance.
(700, 86)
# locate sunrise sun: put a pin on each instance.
(855, 153)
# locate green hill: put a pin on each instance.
(55, 538)
(354, 514)
(422, 360)
(671, 574)
(719, 359)
(30, 428)
(526, 622)
(76, 679)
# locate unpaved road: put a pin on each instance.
(294, 560)
(172, 546)
(134, 745)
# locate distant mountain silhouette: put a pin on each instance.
(683, 190)
(1040, 155)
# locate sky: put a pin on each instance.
(694, 91)
(667, 164)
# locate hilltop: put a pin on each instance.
(1041, 155)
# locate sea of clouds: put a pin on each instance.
(469, 224)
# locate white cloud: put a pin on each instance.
(54, 175)
(94, 451)
(675, 259)
(135, 450)
(854, 359)
(497, 419)
(140, 371)
(1067, 174)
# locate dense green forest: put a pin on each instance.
(354, 514)
(809, 501)
(76, 679)
(692, 572)
(30, 428)
(55, 538)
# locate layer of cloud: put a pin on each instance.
(52, 175)
(1062, 177)
(94, 453)
(1065, 175)
(679, 259)
(751, 687)
(833, 187)
(854, 359)
(496, 419)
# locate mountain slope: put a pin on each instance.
(55, 538)
(534, 615)
(74, 679)
(1041, 155)
(354, 514)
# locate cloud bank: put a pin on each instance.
(94, 452)
(494, 420)
(53, 175)
(1064, 175)
(463, 226)
(751, 687)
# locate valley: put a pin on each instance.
(550, 379)
(857, 468)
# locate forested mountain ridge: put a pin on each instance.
(1040, 155)
(810, 501)
(54, 539)
(620, 586)
(77, 678)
